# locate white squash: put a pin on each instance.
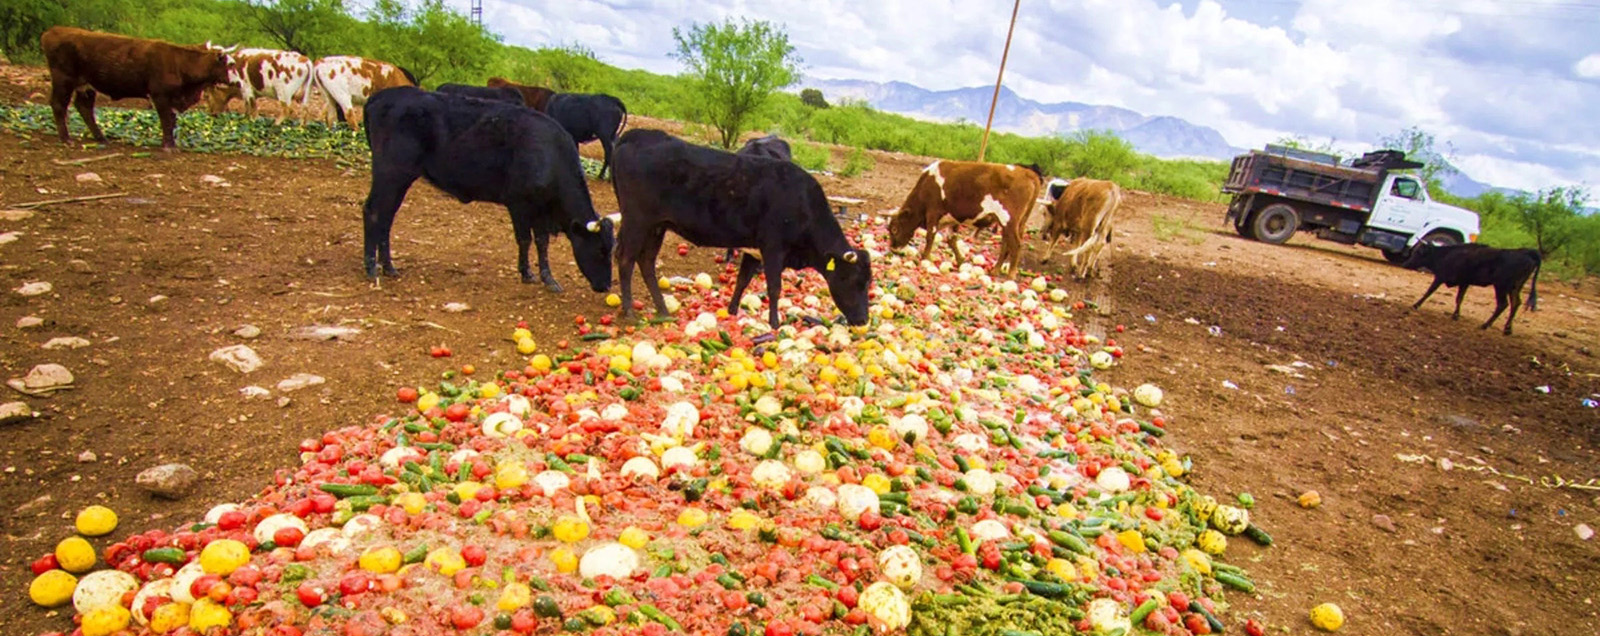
(989, 530)
(912, 424)
(810, 462)
(979, 482)
(610, 559)
(680, 457)
(768, 405)
(681, 419)
(330, 539)
(552, 481)
(886, 606)
(971, 443)
(756, 441)
(771, 474)
(1107, 616)
(394, 457)
(215, 513)
(1113, 480)
(1147, 395)
(1230, 519)
(361, 524)
(183, 579)
(900, 565)
(518, 405)
(159, 588)
(613, 412)
(102, 588)
(821, 498)
(1101, 360)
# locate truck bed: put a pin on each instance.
(1340, 186)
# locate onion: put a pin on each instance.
(821, 498)
(771, 474)
(756, 441)
(640, 467)
(611, 559)
(518, 405)
(989, 530)
(271, 525)
(1112, 480)
(551, 481)
(855, 499)
(502, 424)
(678, 457)
(680, 420)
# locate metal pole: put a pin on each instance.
(984, 145)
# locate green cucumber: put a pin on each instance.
(1235, 581)
(348, 490)
(171, 556)
(1257, 535)
(1143, 610)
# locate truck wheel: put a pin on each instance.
(1274, 224)
(1396, 257)
(1441, 238)
(1241, 224)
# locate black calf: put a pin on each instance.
(1463, 266)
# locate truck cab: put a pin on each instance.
(1280, 191)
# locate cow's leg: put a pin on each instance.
(1431, 288)
(605, 164)
(625, 274)
(84, 101)
(541, 241)
(1502, 298)
(954, 241)
(647, 271)
(1460, 294)
(389, 187)
(1516, 302)
(774, 272)
(61, 90)
(747, 271)
(927, 247)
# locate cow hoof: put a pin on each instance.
(554, 287)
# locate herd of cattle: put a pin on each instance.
(517, 146)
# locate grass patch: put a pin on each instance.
(1167, 229)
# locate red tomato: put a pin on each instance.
(780, 628)
(406, 394)
(683, 250)
(440, 351)
(310, 594)
(288, 537)
(474, 555)
(467, 369)
(323, 503)
(734, 600)
(457, 412)
(220, 591)
(310, 445)
(1253, 627)
(45, 563)
(606, 319)
(231, 520)
(354, 583)
(1157, 622)
(247, 576)
(1196, 624)
(466, 616)
(524, 622)
(847, 595)
(870, 520)
(201, 586)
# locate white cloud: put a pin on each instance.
(1588, 67)
(1495, 78)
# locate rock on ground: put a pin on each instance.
(241, 358)
(170, 481)
(324, 332)
(43, 380)
(299, 381)
(247, 331)
(37, 288)
(12, 412)
(68, 342)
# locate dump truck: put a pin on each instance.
(1279, 191)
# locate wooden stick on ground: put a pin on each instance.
(79, 162)
(35, 204)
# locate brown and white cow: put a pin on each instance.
(535, 97)
(347, 81)
(954, 193)
(83, 63)
(1083, 215)
(257, 73)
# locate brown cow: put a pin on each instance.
(257, 73)
(536, 97)
(83, 62)
(1083, 214)
(952, 193)
(348, 81)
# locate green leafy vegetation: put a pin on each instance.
(200, 132)
(1551, 221)
(734, 68)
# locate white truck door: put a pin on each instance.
(1403, 206)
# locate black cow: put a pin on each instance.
(498, 94)
(590, 117)
(718, 199)
(1463, 266)
(770, 146)
(478, 150)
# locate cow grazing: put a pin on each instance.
(952, 193)
(349, 81)
(83, 63)
(588, 118)
(770, 146)
(257, 73)
(534, 97)
(1082, 213)
(718, 199)
(1463, 266)
(479, 150)
(499, 94)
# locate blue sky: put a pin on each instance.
(1513, 85)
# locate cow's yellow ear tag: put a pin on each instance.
(830, 264)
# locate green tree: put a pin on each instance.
(431, 40)
(1100, 154)
(23, 21)
(313, 27)
(813, 98)
(1420, 145)
(571, 68)
(736, 67)
(1301, 142)
(1551, 217)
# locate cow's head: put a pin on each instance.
(1422, 256)
(592, 242)
(902, 228)
(849, 275)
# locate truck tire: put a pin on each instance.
(1241, 224)
(1438, 238)
(1274, 224)
(1396, 257)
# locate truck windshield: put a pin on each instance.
(1405, 188)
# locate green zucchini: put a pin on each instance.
(348, 490)
(172, 556)
(1235, 581)
(1256, 534)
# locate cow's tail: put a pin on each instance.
(624, 123)
(1533, 292)
(1106, 210)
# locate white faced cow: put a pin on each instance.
(1083, 215)
(257, 73)
(954, 193)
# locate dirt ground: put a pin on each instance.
(1473, 446)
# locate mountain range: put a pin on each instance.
(1159, 135)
